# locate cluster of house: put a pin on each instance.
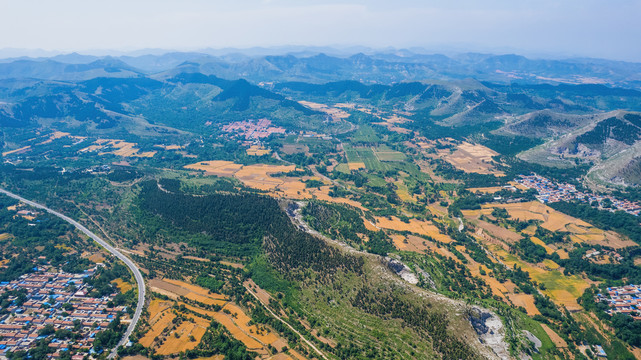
(550, 191)
(624, 300)
(599, 254)
(97, 169)
(251, 129)
(54, 300)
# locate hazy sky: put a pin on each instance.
(596, 28)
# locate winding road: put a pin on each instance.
(130, 264)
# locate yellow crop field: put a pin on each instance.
(25, 148)
(416, 226)
(562, 289)
(550, 264)
(196, 289)
(169, 147)
(175, 345)
(258, 176)
(97, 258)
(556, 221)
(123, 286)
(4, 236)
(215, 357)
(333, 112)
(159, 317)
(556, 339)
(485, 190)
(55, 135)
(526, 301)
(236, 331)
(242, 321)
(117, 147)
(472, 158)
(540, 242)
(257, 150)
(216, 167)
(356, 165)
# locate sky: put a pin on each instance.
(542, 28)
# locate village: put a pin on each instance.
(623, 300)
(550, 191)
(46, 303)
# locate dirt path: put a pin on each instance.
(285, 322)
(494, 342)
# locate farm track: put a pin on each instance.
(286, 323)
(130, 264)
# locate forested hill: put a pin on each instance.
(237, 224)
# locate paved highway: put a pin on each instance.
(130, 264)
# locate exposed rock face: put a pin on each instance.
(402, 270)
(489, 328)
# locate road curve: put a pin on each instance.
(130, 264)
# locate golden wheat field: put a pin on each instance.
(416, 226)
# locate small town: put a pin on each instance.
(46, 303)
(623, 300)
(550, 191)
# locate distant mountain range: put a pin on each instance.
(583, 109)
(316, 65)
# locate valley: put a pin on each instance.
(336, 219)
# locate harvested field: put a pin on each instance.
(556, 339)
(262, 294)
(334, 113)
(97, 258)
(195, 289)
(16, 151)
(472, 158)
(55, 135)
(135, 357)
(498, 232)
(160, 317)
(169, 147)
(420, 245)
(540, 242)
(356, 165)
(257, 150)
(4, 236)
(216, 167)
(232, 317)
(562, 289)
(117, 147)
(236, 331)
(563, 254)
(369, 226)
(416, 226)
(258, 176)
(187, 329)
(232, 264)
(123, 286)
(393, 127)
(166, 288)
(556, 221)
(550, 264)
(242, 321)
(526, 301)
(485, 190)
